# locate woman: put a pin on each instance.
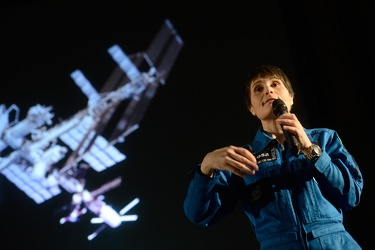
(293, 199)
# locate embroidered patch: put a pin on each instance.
(268, 154)
(256, 194)
(260, 192)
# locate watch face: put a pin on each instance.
(316, 150)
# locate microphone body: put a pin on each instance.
(280, 108)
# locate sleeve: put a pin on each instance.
(209, 200)
(337, 172)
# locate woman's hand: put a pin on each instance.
(292, 124)
(237, 160)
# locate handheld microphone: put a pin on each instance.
(280, 108)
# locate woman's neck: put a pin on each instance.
(273, 130)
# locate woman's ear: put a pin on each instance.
(252, 111)
(291, 101)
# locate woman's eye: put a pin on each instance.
(258, 89)
(275, 84)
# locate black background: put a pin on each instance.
(326, 48)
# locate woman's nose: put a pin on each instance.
(268, 90)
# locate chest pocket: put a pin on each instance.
(271, 177)
(259, 193)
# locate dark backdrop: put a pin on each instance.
(326, 47)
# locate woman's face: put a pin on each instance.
(263, 91)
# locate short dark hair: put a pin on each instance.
(265, 70)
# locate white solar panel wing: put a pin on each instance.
(33, 188)
(100, 156)
(103, 155)
(124, 62)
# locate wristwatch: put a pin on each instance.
(314, 153)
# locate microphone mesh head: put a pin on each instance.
(279, 107)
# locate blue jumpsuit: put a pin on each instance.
(291, 202)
